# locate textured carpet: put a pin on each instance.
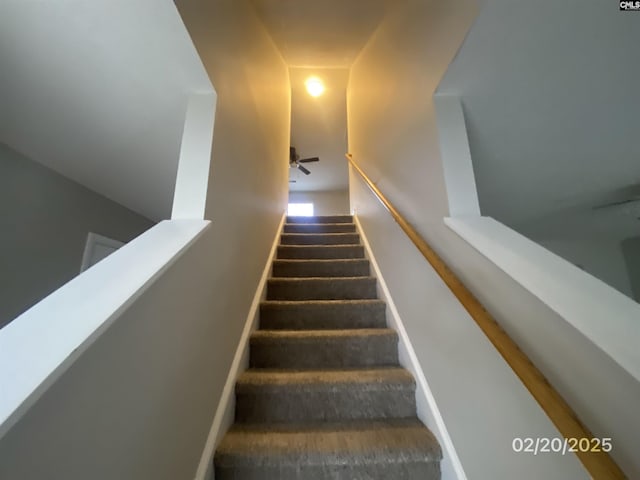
(325, 397)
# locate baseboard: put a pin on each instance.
(428, 411)
(223, 418)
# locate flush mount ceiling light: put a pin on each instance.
(315, 87)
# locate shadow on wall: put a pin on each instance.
(45, 220)
(631, 253)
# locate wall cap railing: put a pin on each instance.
(41, 344)
(599, 464)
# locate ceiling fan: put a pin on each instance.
(623, 196)
(295, 161)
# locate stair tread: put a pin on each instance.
(356, 376)
(345, 442)
(321, 223)
(272, 335)
(327, 349)
(319, 260)
(367, 278)
(321, 288)
(317, 267)
(342, 251)
(321, 245)
(316, 234)
(319, 228)
(320, 238)
(320, 219)
(321, 303)
(322, 314)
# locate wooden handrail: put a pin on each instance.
(599, 464)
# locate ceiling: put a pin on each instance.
(550, 104)
(97, 92)
(325, 33)
(319, 129)
(321, 39)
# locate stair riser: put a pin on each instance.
(320, 228)
(322, 316)
(320, 239)
(320, 289)
(350, 352)
(327, 404)
(325, 219)
(369, 471)
(321, 252)
(356, 268)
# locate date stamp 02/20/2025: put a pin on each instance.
(540, 445)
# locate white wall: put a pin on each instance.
(138, 404)
(45, 219)
(548, 94)
(547, 100)
(319, 129)
(98, 92)
(393, 136)
(324, 203)
(482, 403)
(192, 179)
(602, 259)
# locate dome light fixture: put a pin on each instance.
(315, 87)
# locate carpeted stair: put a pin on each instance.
(325, 397)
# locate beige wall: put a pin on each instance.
(324, 203)
(319, 129)
(138, 404)
(393, 136)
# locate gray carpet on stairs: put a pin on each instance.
(309, 349)
(320, 239)
(325, 397)
(321, 288)
(322, 314)
(320, 252)
(319, 228)
(354, 267)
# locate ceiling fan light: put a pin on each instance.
(315, 86)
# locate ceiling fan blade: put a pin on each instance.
(292, 155)
(309, 160)
(615, 204)
(304, 170)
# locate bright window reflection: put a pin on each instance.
(300, 210)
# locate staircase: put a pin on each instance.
(325, 397)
